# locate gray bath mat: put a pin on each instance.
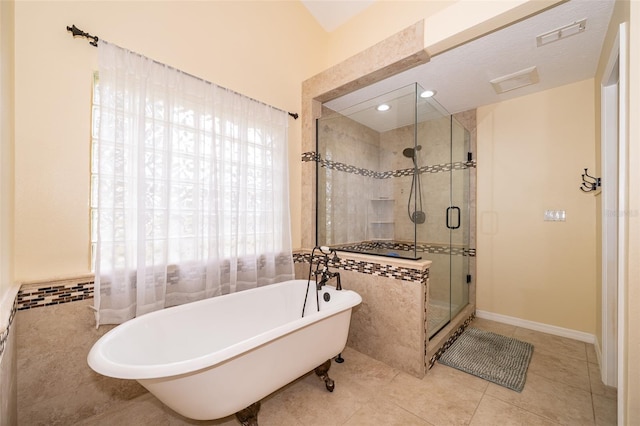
(499, 359)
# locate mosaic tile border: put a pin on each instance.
(364, 246)
(446, 345)
(48, 294)
(370, 268)
(4, 336)
(347, 168)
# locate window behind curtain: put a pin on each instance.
(189, 186)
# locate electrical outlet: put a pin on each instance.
(555, 215)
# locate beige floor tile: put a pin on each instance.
(550, 399)
(493, 326)
(383, 413)
(56, 387)
(363, 374)
(307, 402)
(599, 388)
(570, 371)
(591, 354)
(146, 410)
(68, 407)
(560, 346)
(50, 375)
(435, 402)
(140, 411)
(606, 410)
(448, 376)
(492, 412)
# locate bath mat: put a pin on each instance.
(498, 359)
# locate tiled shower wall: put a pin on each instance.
(365, 178)
(349, 157)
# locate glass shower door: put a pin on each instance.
(448, 222)
(458, 218)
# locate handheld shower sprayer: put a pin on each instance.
(417, 216)
(327, 251)
(411, 152)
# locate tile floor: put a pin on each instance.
(563, 387)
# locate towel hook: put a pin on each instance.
(590, 183)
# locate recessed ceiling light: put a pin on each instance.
(428, 94)
(516, 80)
(383, 107)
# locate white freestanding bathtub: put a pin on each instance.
(212, 358)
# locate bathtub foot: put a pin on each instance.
(249, 416)
(322, 372)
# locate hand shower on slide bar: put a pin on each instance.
(418, 217)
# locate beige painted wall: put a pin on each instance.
(8, 376)
(380, 20)
(6, 145)
(262, 49)
(531, 152)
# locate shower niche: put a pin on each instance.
(393, 179)
(380, 219)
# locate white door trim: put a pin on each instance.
(609, 91)
(622, 205)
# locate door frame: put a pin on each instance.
(613, 88)
(609, 90)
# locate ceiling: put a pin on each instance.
(461, 76)
(330, 14)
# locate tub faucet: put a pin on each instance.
(325, 274)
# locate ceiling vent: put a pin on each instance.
(516, 80)
(563, 32)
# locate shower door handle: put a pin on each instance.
(457, 210)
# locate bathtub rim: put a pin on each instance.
(102, 364)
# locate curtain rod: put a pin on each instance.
(75, 32)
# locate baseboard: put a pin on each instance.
(538, 326)
(598, 353)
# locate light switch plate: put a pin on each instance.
(555, 215)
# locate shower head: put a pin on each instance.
(411, 152)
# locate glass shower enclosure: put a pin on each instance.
(393, 180)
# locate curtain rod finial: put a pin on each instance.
(75, 31)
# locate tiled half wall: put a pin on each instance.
(390, 325)
(47, 293)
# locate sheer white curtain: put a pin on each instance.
(189, 189)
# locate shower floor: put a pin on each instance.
(439, 316)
